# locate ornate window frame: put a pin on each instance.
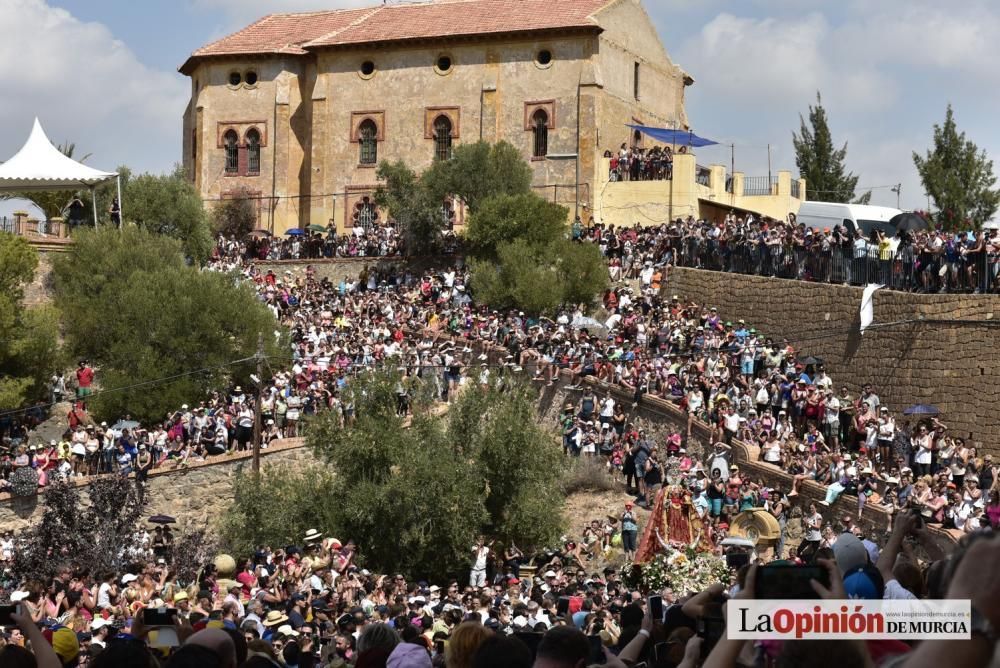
(454, 114)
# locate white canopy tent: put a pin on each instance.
(39, 165)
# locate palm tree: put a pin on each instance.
(51, 202)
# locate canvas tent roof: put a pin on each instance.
(41, 166)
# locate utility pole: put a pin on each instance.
(896, 189)
(768, 165)
(257, 403)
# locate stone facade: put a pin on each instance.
(929, 358)
(307, 105)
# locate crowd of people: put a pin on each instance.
(374, 241)
(314, 604)
(920, 261)
(638, 164)
(727, 374)
(311, 604)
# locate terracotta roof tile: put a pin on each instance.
(464, 17)
(284, 33)
(294, 33)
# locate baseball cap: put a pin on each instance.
(849, 552)
(859, 584)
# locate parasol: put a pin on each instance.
(162, 519)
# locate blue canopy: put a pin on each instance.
(682, 137)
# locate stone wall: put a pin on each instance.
(928, 358)
(39, 291)
(196, 494)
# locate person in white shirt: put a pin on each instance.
(831, 419)
(480, 552)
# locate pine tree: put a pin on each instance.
(958, 177)
(820, 164)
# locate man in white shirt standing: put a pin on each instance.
(480, 551)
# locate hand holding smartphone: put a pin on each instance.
(789, 581)
(655, 603)
(6, 611)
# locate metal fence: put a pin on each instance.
(760, 185)
(8, 225)
(795, 188)
(901, 270)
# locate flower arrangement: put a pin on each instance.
(683, 572)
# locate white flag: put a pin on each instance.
(867, 307)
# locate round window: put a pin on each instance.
(544, 57)
(235, 78)
(251, 78)
(444, 63)
(367, 68)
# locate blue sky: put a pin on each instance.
(103, 73)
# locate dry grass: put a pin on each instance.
(589, 474)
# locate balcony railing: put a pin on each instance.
(760, 185)
(34, 229)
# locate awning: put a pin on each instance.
(41, 166)
(675, 137)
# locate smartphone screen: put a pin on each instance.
(656, 608)
(596, 650)
(737, 560)
(562, 607)
(158, 616)
(789, 581)
(711, 627)
(661, 652)
(5, 614)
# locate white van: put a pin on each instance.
(819, 215)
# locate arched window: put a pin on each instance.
(442, 138)
(637, 139)
(365, 214)
(368, 141)
(231, 142)
(253, 151)
(540, 127)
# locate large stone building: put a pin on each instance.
(300, 108)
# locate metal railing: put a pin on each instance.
(795, 188)
(41, 229)
(901, 270)
(760, 185)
